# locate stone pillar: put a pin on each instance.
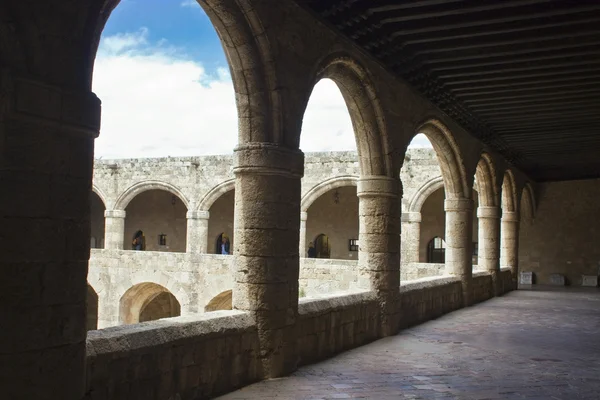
(46, 160)
(379, 247)
(510, 244)
(489, 243)
(114, 229)
(411, 234)
(267, 205)
(459, 243)
(197, 232)
(303, 247)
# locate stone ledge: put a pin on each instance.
(427, 283)
(330, 302)
(126, 338)
(481, 274)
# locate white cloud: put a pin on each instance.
(158, 102)
(189, 3)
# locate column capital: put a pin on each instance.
(197, 215)
(268, 159)
(114, 213)
(303, 216)
(491, 212)
(378, 186)
(510, 216)
(411, 217)
(459, 204)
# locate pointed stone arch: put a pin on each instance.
(449, 157)
(215, 193)
(320, 189)
(136, 300)
(509, 192)
(485, 174)
(358, 91)
(528, 198)
(222, 301)
(101, 194)
(416, 203)
(140, 187)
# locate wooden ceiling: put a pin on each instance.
(521, 75)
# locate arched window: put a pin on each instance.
(436, 251)
(322, 246)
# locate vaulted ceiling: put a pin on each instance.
(521, 75)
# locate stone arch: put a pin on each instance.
(528, 198)
(416, 203)
(222, 301)
(485, 174)
(449, 156)
(248, 53)
(91, 304)
(100, 194)
(509, 192)
(365, 110)
(144, 186)
(136, 300)
(214, 194)
(320, 189)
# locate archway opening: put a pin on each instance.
(527, 209)
(322, 246)
(220, 223)
(97, 209)
(222, 301)
(91, 304)
(161, 216)
(334, 212)
(147, 302)
(436, 251)
(224, 245)
(433, 225)
(164, 83)
(475, 227)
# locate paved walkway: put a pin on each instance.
(538, 344)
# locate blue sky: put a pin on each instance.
(165, 87)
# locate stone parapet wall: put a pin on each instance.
(412, 271)
(181, 358)
(331, 324)
(428, 298)
(482, 286)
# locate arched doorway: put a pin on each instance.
(147, 302)
(161, 216)
(436, 251)
(221, 222)
(92, 309)
(322, 246)
(222, 301)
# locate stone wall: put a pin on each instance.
(321, 276)
(194, 357)
(414, 271)
(482, 286)
(332, 324)
(564, 235)
(433, 222)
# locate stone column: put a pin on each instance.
(510, 243)
(459, 243)
(303, 248)
(411, 234)
(46, 159)
(114, 229)
(489, 243)
(197, 232)
(267, 205)
(379, 247)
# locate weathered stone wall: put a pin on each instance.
(564, 235)
(332, 324)
(194, 357)
(414, 271)
(482, 286)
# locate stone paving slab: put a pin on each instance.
(530, 344)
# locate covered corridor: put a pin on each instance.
(528, 344)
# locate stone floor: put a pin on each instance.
(529, 344)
